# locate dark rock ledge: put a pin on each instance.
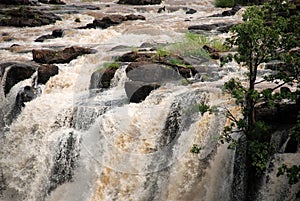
(46, 56)
(57, 33)
(112, 20)
(140, 2)
(26, 16)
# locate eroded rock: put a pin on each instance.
(47, 56)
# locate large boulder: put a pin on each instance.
(145, 77)
(140, 2)
(45, 72)
(113, 20)
(46, 56)
(150, 72)
(15, 72)
(26, 16)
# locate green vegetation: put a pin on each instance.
(113, 65)
(231, 3)
(225, 3)
(293, 174)
(192, 45)
(77, 19)
(268, 33)
(195, 149)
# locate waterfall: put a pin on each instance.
(72, 143)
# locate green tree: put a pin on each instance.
(268, 33)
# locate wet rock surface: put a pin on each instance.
(30, 2)
(140, 2)
(15, 72)
(45, 72)
(218, 27)
(102, 78)
(26, 17)
(112, 20)
(137, 91)
(66, 55)
(231, 12)
(57, 33)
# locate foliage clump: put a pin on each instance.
(268, 33)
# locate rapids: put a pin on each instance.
(75, 144)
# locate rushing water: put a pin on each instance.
(75, 144)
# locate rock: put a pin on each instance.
(220, 27)
(25, 95)
(135, 17)
(112, 20)
(136, 56)
(145, 72)
(52, 2)
(162, 9)
(138, 91)
(55, 34)
(15, 72)
(45, 72)
(62, 56)
(209, 49)
(292, 146)
(231, 12)
(186, 72)
(26, 16)
(102, 78)
(18, 2)
(215, 55)
(140, 2)
(145, 77)
(191, 11)
(30, 2)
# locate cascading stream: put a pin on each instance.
(75, 144)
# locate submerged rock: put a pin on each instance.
(61, 56)
(231, 12)
(57, 33)
(26, 16)
(140, 2)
